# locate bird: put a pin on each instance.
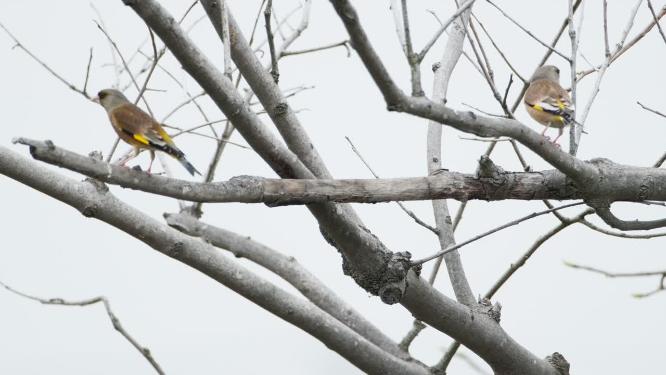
(139, 129)
(547, 102)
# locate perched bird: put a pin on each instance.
(138, 128)
(547, 102)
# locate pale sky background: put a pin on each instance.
(194, 325)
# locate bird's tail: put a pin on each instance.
(174, 152)
(190, 168)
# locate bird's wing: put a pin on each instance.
(549, 97)
(140, 126)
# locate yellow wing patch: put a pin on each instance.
(561, 104)
(165, 136)
(537, 107)
(140, 138)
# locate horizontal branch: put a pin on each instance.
(498, 185)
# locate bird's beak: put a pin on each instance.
(96, 100)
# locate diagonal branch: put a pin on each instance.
(93, 199)
(288, 269)
(145, 352)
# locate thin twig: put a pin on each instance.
(487, 233)
(402, 206)
(145, 352)
(275, 72)
(575, 38)
(117, 69)
(596, 228)
(344, 43)
(656, 21)
(127, 69)
(660, 161)
(85, 82)
(628, 45)
(551, 48)
(499, 50)
(226, 39)
(583, 117)
(651, 110)
(442, 28)
(412, 59)
(152, 67)
(606, 44)
(506, 92)
(659, 288)
(20, 45)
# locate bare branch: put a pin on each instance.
(497, 229)
(445, 237)
(145, 352)
(288, 269)
(660, 161)
(596, 228)
(552, 49)
(622, 185)
(127, 69)
(226, 39)
(275, 71)
(85, 82)
(94, 200)
(626, 46)
(662, 277)
(600, 74)
(651, 110)
(603, 211)
(443, 26)
(499, 50)
(400, 204)
(344, 43)
(656, 20)
(48, 68)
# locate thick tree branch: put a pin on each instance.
(583, 173)
(290, 270)
(93, 199)
(620, 184)
(268, 92)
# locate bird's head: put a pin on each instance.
(549, 72)
(110, 99)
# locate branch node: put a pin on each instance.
(558, 361)
(395, 278)
(281, 109)
(488, 169)
(175, 250)
(96, 155)
(493, 311)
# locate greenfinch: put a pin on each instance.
(547, 102)
(138, 128)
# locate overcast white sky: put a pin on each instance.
(194, 325)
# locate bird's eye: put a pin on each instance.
(101, 94)
(557, 71)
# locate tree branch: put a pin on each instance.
(622, 184)
(145, 352)
(93, 199)
(288, 269)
